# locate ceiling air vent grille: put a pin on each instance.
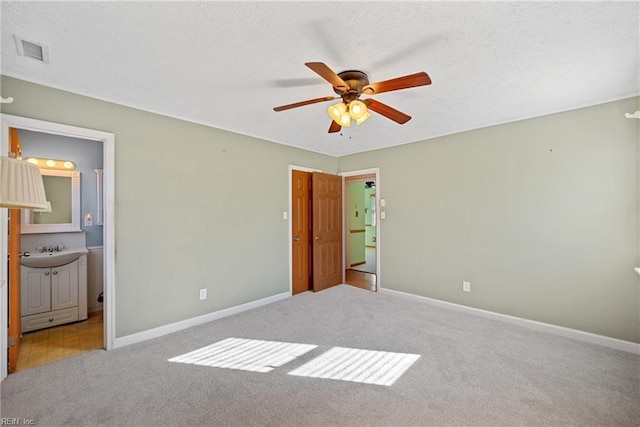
(32, 50)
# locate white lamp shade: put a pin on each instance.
(21, 185)
(45, 210)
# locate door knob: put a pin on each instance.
(317, 237)
(296, 238)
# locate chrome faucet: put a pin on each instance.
(50, 248)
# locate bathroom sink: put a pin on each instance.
(52, 259)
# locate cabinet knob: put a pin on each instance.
(51, 319)
(55, 272)
(46, 273)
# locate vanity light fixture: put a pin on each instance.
(63, 165)
(21, 185)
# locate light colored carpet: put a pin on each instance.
(472, 371)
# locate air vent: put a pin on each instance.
(32, 50)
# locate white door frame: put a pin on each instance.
(108, 150)
(344, 175)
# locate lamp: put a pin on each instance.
(21, 185)
(45, 210)
(343, 114)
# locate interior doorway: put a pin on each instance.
(71, 322)
(361, 223)
(108, 234)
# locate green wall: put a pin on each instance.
(540, 215)
(195, 207)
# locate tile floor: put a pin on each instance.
(51, 344)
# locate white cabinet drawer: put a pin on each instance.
(46, 320)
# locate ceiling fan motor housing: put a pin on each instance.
(356, 80)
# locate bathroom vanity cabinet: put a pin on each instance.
(53, 296)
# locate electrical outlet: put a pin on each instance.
(466, 286)
(203, 293)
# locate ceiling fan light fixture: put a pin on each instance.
(349, 85)
(345, 120)
(364, 118)
(357, 109)
(337, 110)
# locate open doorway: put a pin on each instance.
(104, 270)
(72, 322)
(361, 229)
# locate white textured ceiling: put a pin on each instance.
(227, 64)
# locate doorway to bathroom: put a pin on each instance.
(42, 345)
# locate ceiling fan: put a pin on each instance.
(349, 85)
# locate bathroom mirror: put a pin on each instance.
(63, 192)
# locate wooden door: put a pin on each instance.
(327, 230)
(14, 268)
(301, 231)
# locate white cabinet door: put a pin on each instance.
(35, 290)
(64, 286)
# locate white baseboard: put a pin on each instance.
(614, 343)
(195, 321)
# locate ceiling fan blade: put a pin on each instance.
(334, 127)
(390, 113)
(328, 74)
(405, 82)
(302, 103)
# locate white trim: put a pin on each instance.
(195, 321)
(289, 232)
(575, 334)
(99, 196)
(4, 290)
(108, 149)
(375, 171)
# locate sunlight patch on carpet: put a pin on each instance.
(245, 354)
(362, 366)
